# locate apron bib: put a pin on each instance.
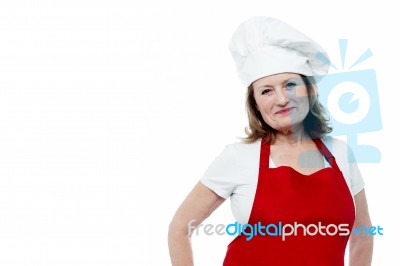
(286, 196)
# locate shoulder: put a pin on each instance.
(346, 163)
(241, 146)
(338, 147)
(244, 154)
(334, 142)
(235, 166)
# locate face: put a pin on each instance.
(282, 100)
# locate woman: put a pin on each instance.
(286, 171)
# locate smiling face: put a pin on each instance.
(282, 100)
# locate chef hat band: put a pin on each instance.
(263, 46)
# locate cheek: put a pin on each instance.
(301, 97)
(304, 101)
(301, 91)
(304, 105)
(264, 106)
(258, 102)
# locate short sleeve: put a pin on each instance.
(347, 164)
(356, 181)
(221, 174)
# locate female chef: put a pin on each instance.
(286, 171)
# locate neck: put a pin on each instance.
(291, 137)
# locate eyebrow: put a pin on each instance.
(300, 80)
(264, 86)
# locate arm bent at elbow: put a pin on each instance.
(197, 206)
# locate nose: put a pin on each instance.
(281, 97)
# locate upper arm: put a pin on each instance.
(196, 207)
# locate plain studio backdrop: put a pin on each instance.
(111, 111)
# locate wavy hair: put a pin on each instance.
(316, 123)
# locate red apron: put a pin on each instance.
(287, 196)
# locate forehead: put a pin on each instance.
(276, 79)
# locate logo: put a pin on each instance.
(282, 230)
(352, 102)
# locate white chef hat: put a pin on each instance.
(263, 46)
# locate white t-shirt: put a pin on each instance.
(234, 173)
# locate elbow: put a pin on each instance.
(177, 230)
(362, 242)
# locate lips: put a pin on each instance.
(284, 111)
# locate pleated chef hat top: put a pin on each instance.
(264, 46)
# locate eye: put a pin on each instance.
(290, 85)
(266, 91)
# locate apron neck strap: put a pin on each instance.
(325, 152)
(264, 154)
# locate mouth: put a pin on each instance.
(284, 111)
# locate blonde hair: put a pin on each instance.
(316, 123)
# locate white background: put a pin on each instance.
(110, 112)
